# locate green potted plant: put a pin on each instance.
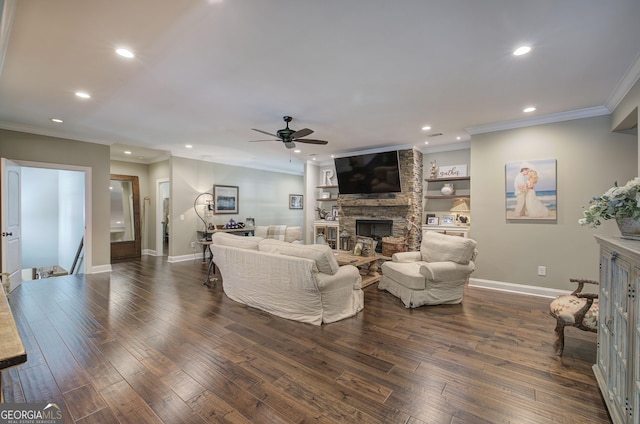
(621, 203)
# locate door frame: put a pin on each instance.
(129, 249)
(88, 228)
(159, 209)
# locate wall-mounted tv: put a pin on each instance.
(368, 173)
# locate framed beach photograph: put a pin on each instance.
(225, 199)
(432, 220)
(531, 190)
(295, 201)
(448, 220)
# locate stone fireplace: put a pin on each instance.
(393, 208)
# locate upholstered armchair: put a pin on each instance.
(577, 309)
(435, 275)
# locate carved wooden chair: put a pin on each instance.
(577, 309)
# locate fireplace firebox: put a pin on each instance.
(374, 228)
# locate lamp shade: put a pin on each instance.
(460, 205)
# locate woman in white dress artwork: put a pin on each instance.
(535, 208)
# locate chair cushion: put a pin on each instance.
(405, 273)
(233, 240)
(566, 306)
(291, 234)
(436, 247)
(320, 253)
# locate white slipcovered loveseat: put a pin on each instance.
(293, 281)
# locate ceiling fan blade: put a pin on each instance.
(301, 133)
(253, 141)
(290, 144)
(311, 141)
(264, 132)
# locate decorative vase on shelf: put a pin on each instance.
(447, 189)
(629, 228)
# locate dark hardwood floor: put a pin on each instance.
(149, 343)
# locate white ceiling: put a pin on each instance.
(363, 74)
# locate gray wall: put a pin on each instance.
(32, 147)
(263, 195)
(589, 159)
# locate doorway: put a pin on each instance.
(126, 240)
(54, 207)
(162, 216)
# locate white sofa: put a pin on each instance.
(435, 275)
(280, 232)
(294, 281)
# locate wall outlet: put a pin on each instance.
(542, 271)
(193, 244)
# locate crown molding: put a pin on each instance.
(540, 120)
(624, 86)
(7, 9)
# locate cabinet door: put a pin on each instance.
(319, 234)
(619, 324)
(634, 389)
(604, 321)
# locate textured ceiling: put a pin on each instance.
(363, 74)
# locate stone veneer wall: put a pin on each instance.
(397, 207)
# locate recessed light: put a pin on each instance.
(333, 156)
(83, 95)
(521, 50)
(297, 151)
(426, 142)
(125, 53)
(313, 158)
(56, 120)
(426, 128)
(127, 152)
(529, 109)
(458, 138)
(188, 146)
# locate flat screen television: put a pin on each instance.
(368, 173)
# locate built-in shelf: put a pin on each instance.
(442, 196)
(399, 201)
(435, 180)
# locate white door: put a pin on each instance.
(10, 221)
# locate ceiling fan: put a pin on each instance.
(288, 136)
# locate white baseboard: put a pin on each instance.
(182, 258)
(517, 288)
(101, 268)
(149, 252)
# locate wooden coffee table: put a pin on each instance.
(368, 265)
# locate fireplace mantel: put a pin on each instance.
(375, 202)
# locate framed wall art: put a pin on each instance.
(432, 220)
(295, 201)
(448, 220)
(531, 190)
(225, 199)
